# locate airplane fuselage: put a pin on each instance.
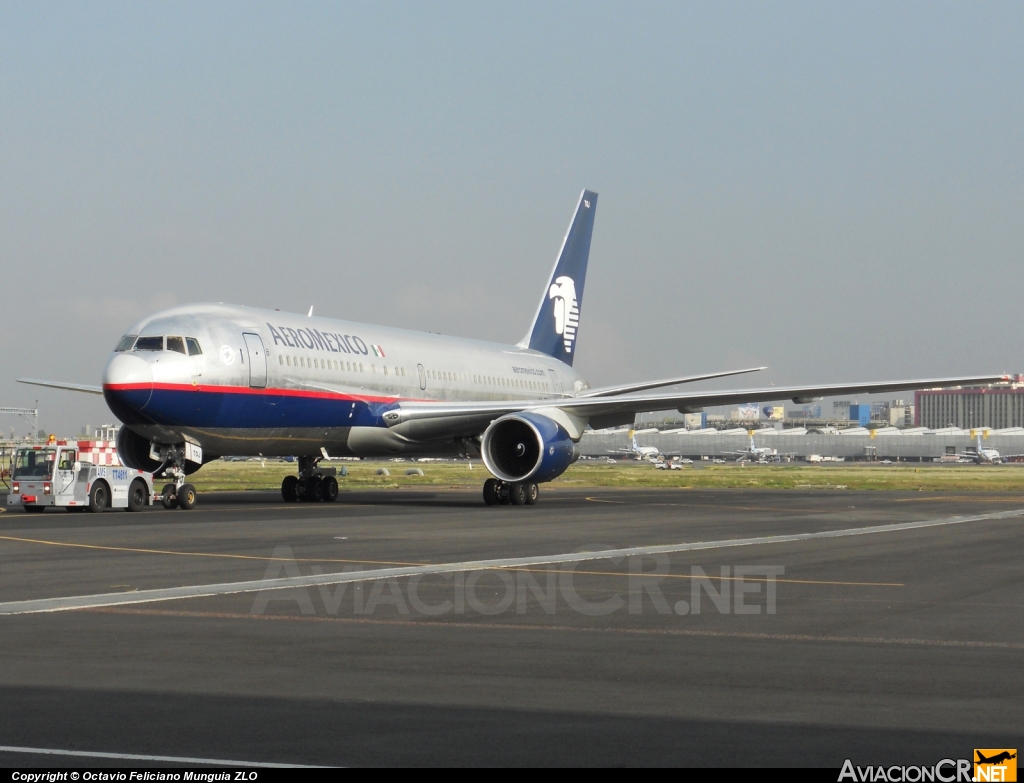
(280, 384)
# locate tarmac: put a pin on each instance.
(600, 627)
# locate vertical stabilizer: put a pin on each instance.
(556, 325)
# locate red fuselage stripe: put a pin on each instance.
(187, 387)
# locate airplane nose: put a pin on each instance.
(127, 386)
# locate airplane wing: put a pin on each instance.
(78, 387)
(425, 419)
(608, 391)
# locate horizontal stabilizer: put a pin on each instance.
(77, 387)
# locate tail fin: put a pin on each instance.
(556, 324)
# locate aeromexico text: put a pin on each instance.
(322, 341)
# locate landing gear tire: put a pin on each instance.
(491, 492)
(315, 489)
(330, 487)
(186, 497)
(503, 493)
(289, 489)
(99, 498)
(532, 494)
(167, 497)
(517, 494)
(137, 495)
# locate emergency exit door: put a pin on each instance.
(257, 360)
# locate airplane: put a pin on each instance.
(197, 381)
(996, 759)
(759, 454)
(649, 453)
(984, 455)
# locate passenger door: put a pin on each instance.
(423, 377)
(257, 360)
(556, 385)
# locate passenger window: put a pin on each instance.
(385, 369)
(280, 359)
(126, 343)
(360, 366)
(193, 346)
(67, 460)
(176, 344)
(149, 344)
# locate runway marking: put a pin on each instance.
(202, 554)
(957, 497)
(142, 757)
(392, 563)
(491, 626)
(725, 578)
(65, 603)
(713, 505)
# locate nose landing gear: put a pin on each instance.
(179, 494)
(505, 493)
(312, 484)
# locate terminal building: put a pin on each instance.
(999, 406)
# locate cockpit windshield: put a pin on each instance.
(126, 343)
(149, 344)
(33, 463)
(185, 345)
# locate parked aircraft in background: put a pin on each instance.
(649, 453)
(984, 455)
(752, 453)
(194, 382)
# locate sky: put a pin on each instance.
(833, 190)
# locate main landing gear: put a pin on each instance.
(312, 484)
(506, 493)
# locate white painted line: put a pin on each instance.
(141, 757)
(257, 585)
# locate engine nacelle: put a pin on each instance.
(133, 450)
(527, 447)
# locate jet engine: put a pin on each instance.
(527, 447)
(135, 452)
(133, 449)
